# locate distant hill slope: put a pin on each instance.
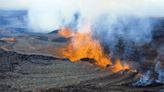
(13, 22)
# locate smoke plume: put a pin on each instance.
(48, 15)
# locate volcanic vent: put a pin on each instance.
(82, 45)
(127, 49)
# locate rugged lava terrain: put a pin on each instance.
(32, 63)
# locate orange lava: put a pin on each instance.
(118, 66)
(82, 45)
(8, 39)
(65, 32)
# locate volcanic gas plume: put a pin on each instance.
(83, 45)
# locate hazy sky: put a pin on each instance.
(24, 4)
(127, 6)
(13, 4)
(47, 14)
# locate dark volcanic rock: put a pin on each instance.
(42, 38)
(9, 59)
(114, 83)
(60, 39)
(54, 32)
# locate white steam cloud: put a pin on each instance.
(48, 15)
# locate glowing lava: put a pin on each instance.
(8, 39)
(118, 66)
(82, 45)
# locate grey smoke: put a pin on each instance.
(131, 29)
(145, 79)
(160, 71)
(121, 35)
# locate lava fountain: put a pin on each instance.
(83, 45)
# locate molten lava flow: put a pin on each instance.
(118, 66)
(8, 39)
(82, 45)
(65, 32)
